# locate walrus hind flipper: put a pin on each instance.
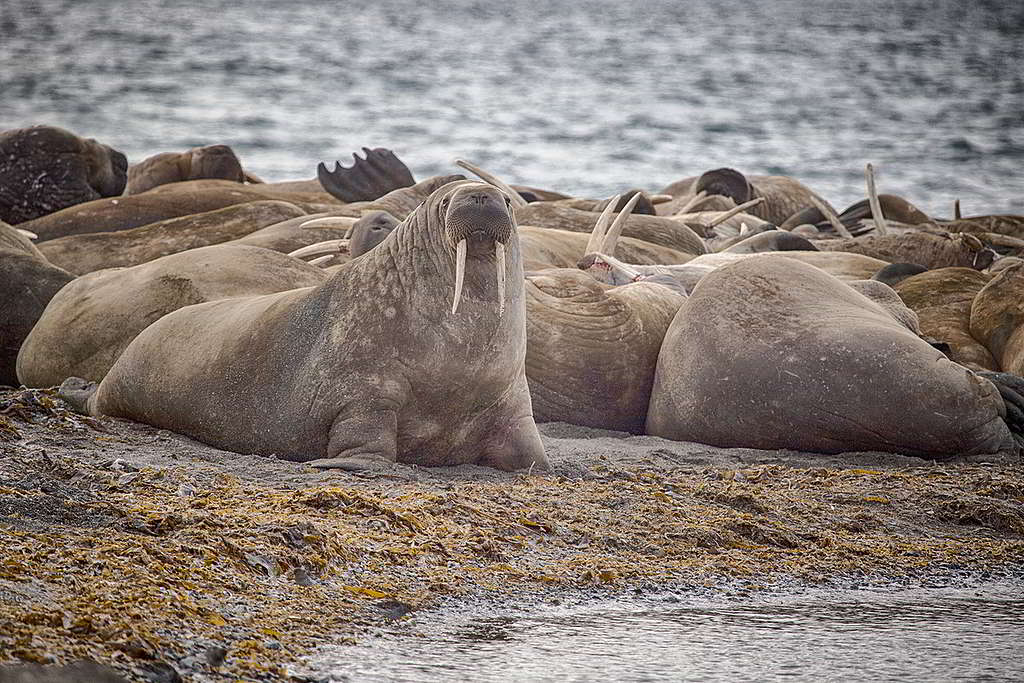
(1011, 389)
(368, 179)
(77, 392)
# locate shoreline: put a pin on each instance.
(141, 548)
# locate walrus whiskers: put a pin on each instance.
(499, 258)
(831, 216)
(460, 273)
(693, 202)
(614, 232)
(733, 211)
(597, 234)
(517, 199)
(330, 222)
(876, 206)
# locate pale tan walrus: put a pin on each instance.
(773, 353)
(413, 352)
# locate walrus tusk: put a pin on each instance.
(661, 198)
(597, 234)
(517, 199)
(320, 260)
(460, 272)
(326, 247)
(744, 229)
(831, 216)
(499, 257)
(693, 202)
(612, 238)
(32, 236)
(876, 206)
(733, 211)
(330, 222)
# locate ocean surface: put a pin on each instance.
(583, 97)
(937, 634)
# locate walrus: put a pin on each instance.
(770, 241)
(44, 169)
(209, 161)
(942, 299)
(772, 353)
(91, 321)
(369, 231)
(894, 273)
(997, 318)
(82, 254)
(591, 349)
(412, 353)
(784, 196)
(28, 282)
(163, 202)
(932, 249)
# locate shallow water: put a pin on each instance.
(587, 98)
(946, 634)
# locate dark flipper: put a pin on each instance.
(368, 179)
(77, 391)
(1011, 388)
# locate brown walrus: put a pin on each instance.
(91, 321)
(210, 161)
(45, 169)
(772, 353)
(378, 364)
(27, 283)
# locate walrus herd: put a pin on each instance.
(363, 318)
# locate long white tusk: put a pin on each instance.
(956, 210)
(517, 199)
(499, 257)
(597, 234)
(693, 202)
(32, 236)
(330, 222)
(733, 211)
(612, 239)
(661, 198)
(326, 247)
(460, 273)
(876, 206)
(831, 216)
(320, 260)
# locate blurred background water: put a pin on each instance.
(583, 97)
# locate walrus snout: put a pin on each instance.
(478, 213)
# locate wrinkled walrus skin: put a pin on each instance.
(369, 368)
(774, 353)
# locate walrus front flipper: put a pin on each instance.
(363, 438)
(77, 392)
(368, 179)
(1011, 389)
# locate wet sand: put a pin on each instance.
(146, 550)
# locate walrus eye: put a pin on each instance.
(508, 201)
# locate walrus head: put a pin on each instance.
(215, 161)
(477, 221)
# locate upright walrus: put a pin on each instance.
(376, 365)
